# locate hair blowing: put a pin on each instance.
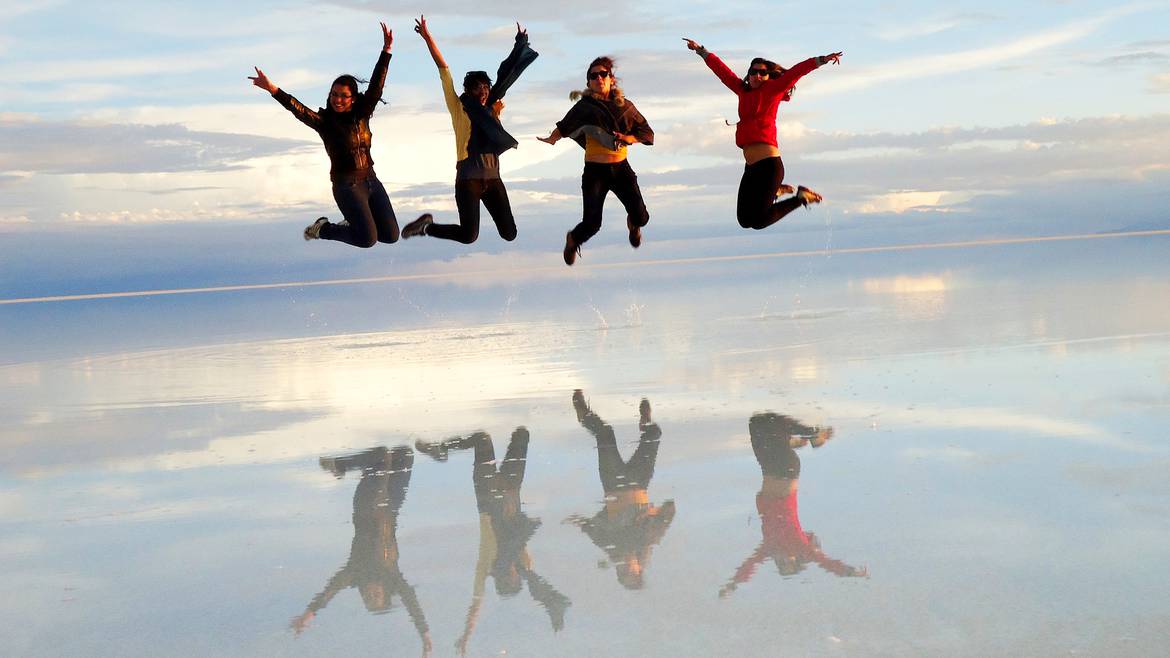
(615, 92)
(774, 70)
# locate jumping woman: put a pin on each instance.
(479, 141)
(760, 93)
(604, 122)
(344, 127)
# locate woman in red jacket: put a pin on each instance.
(760, 93)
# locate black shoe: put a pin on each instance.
(418, 226)
(436, 451)
(635, 233)
(572, 249)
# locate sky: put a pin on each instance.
(135, 123)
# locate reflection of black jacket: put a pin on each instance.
(487, 135)
(346, 135)
(608, 115)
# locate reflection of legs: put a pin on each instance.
(515, 460)
(467, 196)
(640, 467)
(495, 199)
(401, 465)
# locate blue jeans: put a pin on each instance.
(367, 210)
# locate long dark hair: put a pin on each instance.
(351, 83)
(615, 92)
(774, 70)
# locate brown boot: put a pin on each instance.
(572, 249)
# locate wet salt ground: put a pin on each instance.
(998, 465)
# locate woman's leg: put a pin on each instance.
(467, 195)
(383, 212)
(625, 187)
(757, 193)
(595, 184)
(354, 203)
(495, 199)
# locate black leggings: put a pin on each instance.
(368, 214)
(468, 194)
(600, 179)
(757, 206)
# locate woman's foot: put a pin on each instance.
(418, 226)
(313, 231)
(807, 196)
(572, 249)
(784, 189)
(635, 233)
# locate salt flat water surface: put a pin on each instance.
(952, 451)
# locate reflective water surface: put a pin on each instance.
(931, 453)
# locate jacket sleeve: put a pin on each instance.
(639, 127)
(298, 109)
(511, 68)
(577, 117)
(788, 79)
(373, 92)
(725, 74)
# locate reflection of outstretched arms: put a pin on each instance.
(338, 582)
(410, 600)
(544, 593)
(746, 570)
(487, 554)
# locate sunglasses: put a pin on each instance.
(759, 72)
(597, 75)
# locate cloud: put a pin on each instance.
(67, 147)
(950, 64)
(1160, 83)
(904, 30)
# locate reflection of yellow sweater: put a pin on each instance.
(488, 547)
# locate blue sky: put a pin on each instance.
(136, 117)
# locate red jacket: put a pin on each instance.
(757, 107)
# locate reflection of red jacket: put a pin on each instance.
(785, 539)
(757, 107)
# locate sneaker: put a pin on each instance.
(436, 450)
(418, 226)
(572, 249)
(635, 233)
(313, 231)
(785, 189)
(807, 196)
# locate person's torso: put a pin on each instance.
(347, 140)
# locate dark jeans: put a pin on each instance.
(366, 207)
(757, 206)
(469, 192)
(617, 473)
(600, 179)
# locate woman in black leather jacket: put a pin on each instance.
(344, 127)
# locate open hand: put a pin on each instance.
(387, 37)
(834, 58)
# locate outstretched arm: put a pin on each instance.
(298, 109)
(420, 26)
(788, 79)
(721, 70)
(513, 65)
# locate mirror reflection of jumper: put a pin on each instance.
(775, 439)
(504, 528)
(373, 557)
(629, 525)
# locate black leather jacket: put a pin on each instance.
(346, 135)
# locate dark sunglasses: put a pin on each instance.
(760, 72)
(597, 75)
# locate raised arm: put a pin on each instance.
(789, 78)
(512, 66)
(298, 109)
(420, 26)
(721, 70)
(378, 77)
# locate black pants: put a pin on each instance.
(598, 180)
(757, 206)
(469, 192)
(367, 211)
(617, 473)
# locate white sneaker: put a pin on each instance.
(313, 231)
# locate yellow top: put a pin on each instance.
(595, 152)
(459, 119)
